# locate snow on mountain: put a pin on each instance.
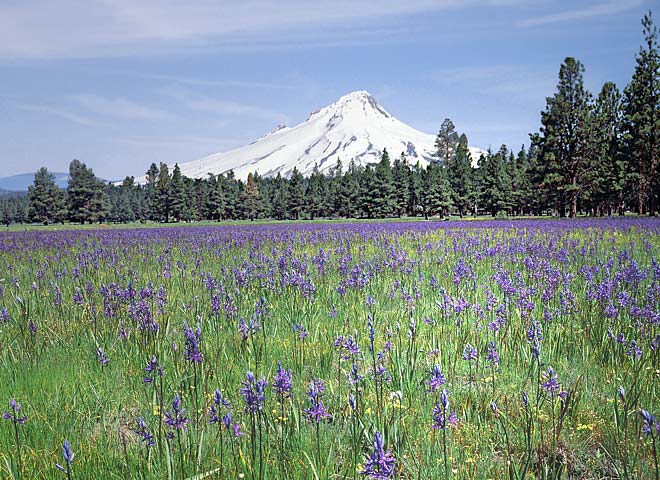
(355, 127)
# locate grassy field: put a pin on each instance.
(512, 349)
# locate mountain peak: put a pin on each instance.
(355, 127)
(359, 102)
(356, 95)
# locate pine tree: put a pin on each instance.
(564, 139)
(642, 108)
(438, 197)
(296, 194)
(176, 194)
(460, 176)
(446, 141)
(609, 170)
(46, 200)
(495, 187)
(316, 194)
(384, 201)
(151, 198)
(213, 207)
(87, 198)
(401, 177)
(162, 194)
(250, 198)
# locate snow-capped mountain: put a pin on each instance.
(354, 127)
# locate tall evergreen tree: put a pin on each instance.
(438, 194)
(642, 108)
(609, 165)
(565, 138)
(459, 172)
(251, 198)
(176, 193)
(46, 200)
(384, 204)
(401, 179)
(87, 198)
(296, 194)
(316, 194)
(446, 141)
(162, 194)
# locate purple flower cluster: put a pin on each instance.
(253, 392)
(379, 463)
(316, 410)
(442, 415)
(176, 418)
(13, 415)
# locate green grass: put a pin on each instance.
(66, 394)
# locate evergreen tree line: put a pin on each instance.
(594, 155)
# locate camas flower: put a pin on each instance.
(254, 392)
(218, 402)
(68, 456)
(380, 463)
(193, 339)
(282, 382)
(442, 416)
(552, 385)
(176, 418)
(436, 380)
(103, 359)
(651, 426)
(142, 431)
(153, 370)
(316, 410)
(12, 414)
(469, 353)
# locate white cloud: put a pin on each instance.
(61, 113)
(203, 103)
(597, 10)
(120, 108)
(39, 29)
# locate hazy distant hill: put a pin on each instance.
(21, 182)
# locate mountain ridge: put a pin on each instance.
(355, 127)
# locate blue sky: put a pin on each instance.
(119, 84)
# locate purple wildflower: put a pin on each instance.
(12, 415)
(68, 456)
(193, 339)
(176, 418)
(380, 463)
(651, 426)
(436, 380)
(316, 410)
(153, 369)
(552, 385)
(493, 356)
(254, 392)
(282, 382)
(218, 402)
(142, 431)
(469, 353)
(442, 416)
(103, 359)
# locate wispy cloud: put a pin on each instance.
(61, 113)
(597, 10)
(120, 108)
(203, 103)
(522, 82)
(38, 29)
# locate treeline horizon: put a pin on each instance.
(595, 155)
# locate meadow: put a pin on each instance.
(425, 350)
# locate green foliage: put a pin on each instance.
(46, 200)
(86, 196)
